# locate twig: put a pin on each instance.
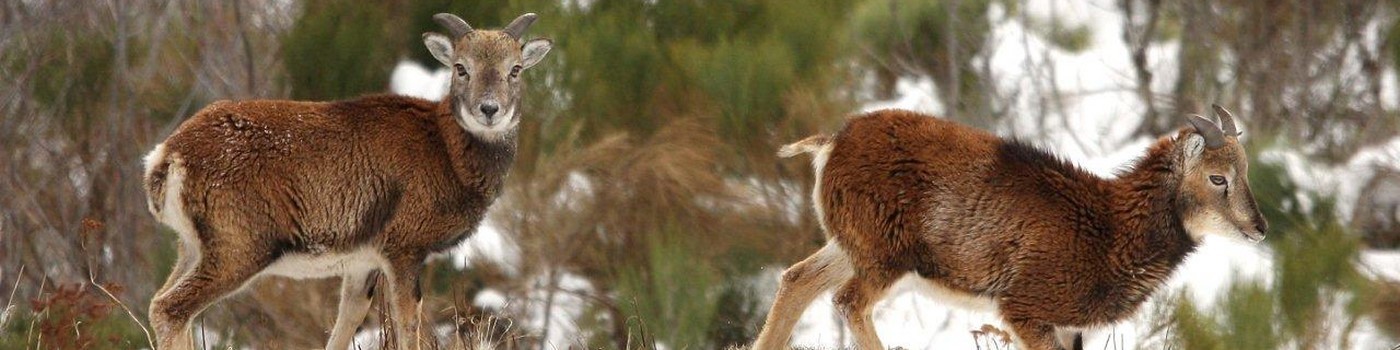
(950, 41)
(109, 294)
(43, 282)
(9, 303)
(92, 225)
(247, 47)
(1137, 54)
(549, 304)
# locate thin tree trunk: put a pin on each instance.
(1139, 38)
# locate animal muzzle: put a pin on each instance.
(1258, 231)
(1261, 225)
(488, 112)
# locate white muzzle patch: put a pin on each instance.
(497, 130)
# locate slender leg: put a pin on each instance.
(356, 291)
(800, 285)
(185, 256)
(406, 297)
(217, 274)
(1031, 334)
(856, 299)
(1069, 339)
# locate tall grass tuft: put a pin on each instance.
(672, 298)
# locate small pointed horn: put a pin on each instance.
(455, 25)
(517, 27)
(1214, 137)
(1227, 121)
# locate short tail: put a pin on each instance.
(808, 145)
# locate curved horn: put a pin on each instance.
(455, 25)
(1214, 137)
(1227, 121)
(517, 27)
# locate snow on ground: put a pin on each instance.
(910, 318)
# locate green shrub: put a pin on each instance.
(338, 49)
(672, 298)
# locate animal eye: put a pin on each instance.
(461, 70)
(515, 71)
(1217, 180)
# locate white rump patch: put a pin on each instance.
(154, 158)
(151, 160)
(174, 214)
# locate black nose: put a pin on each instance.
(489, 110)
(1262, 226)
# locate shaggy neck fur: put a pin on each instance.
(479, 164)
(1150, 240)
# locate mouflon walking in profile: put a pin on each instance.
(1000, 224)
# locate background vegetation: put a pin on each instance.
(657, 122)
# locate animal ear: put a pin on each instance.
(1192, 147)
(533, 51)
(440, 46)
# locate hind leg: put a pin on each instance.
(1069, 339)
(185, 256)
(800, 285)
(218, 273)
(855, 300)
(356, 292)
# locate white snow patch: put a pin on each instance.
(1342, 182)
(568, 305)
(490, 299)
(919, 95)
(1381, 264)
(488, 244)
(412, 79)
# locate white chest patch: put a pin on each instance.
(304, 266)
